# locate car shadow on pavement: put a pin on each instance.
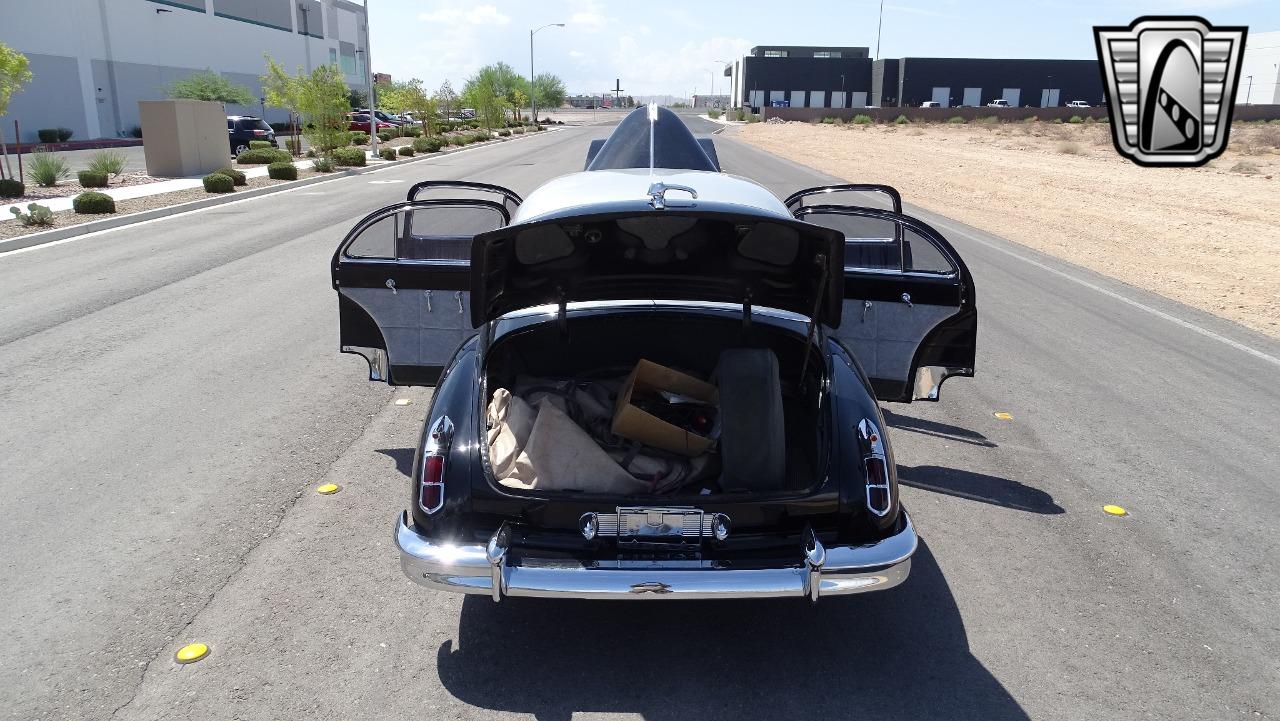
(935, 429)
(896, 654)
(978, 487)
(403, 458)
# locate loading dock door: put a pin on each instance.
(797, 99)
(942, 96)
(972, 97)
(756, 98)
(1049, 98)
(1012, 96)
(817, 98)
(837, 99)
(859, 100)
(777, 96)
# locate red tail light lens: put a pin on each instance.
(876, 468)
(431, 488)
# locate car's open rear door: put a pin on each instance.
(403, 276)
(909, 310)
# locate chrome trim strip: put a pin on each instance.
(487, 569)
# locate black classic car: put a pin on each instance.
(655, 380)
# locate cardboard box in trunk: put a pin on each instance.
(635, 424)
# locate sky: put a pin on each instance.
(676, 48)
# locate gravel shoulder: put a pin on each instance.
(1208, 237)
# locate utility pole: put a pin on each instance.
(1249, 93)
(533, 108)
(879, 25)
(368, 71)
(617, 92)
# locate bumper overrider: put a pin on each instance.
(488, 569)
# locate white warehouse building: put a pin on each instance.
(93, 60)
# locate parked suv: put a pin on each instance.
(243, 128)
(998, 103)
(930, 104)
(1078, 104)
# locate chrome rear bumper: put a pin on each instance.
(819, 571)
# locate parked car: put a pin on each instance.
(358, 121)
(998, 103)
(467, 113)
(1078, 104)
(243, 128)
(654, 380)
(384, 117)
(930, 104)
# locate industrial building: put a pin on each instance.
(93, 60)
(846, 77)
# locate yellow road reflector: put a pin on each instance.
(328, 489)
(403, 401)
(1115, 510)
(1003, 415)
(191, 653)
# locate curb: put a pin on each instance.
(49, 236)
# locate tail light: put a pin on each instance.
(875, 468)
(259, 132)
(431, 487)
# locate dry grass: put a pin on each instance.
(1208, 237)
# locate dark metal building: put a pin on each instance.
(817, 77)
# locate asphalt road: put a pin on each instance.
(172, 393)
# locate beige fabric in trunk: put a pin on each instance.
(540, 447)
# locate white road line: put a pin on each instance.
(1117, 296)
(130, 226)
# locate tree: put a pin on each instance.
(500, 84)
(446, 97)
(283, 91)
(490, 105)
(323, 103)
(548, 91)
(518, 103)
(209, 85)
(357, 99)
(14, 73)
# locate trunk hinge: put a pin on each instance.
(821, 262)
(746, 312)
(562, 312)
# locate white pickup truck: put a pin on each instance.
(999, 103)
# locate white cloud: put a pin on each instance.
(589, 16)
(576, 54)
(474, 15)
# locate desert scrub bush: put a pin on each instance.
(322, 165)
(387, 153)
(1076, 120)
(957, 120)
(989, 120)
(384, 136)
(10, 188)
(740, 114)
(406, 151)
(236, 176)
(47, 135)
(429, 144)
(349, 157)
(1067, 147)
(827, 120)
(359, 137)
(901, 120)
(1056, 121)
(259, 144)
(92, 179)
(218, 183)
(480, 136)
(1245, 167)
(47, 169)
(504, 133)
(135, 131)
(459, 139)
(713, 113)
(862, 120)
(262, 156)
(93, 203)
(64, 134)
(282, 171)
(111, 162)
(1032, 119)
(410, 131)
(753, 118)
(36, 215)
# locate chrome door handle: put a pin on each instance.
(428, 300)
(457, 295)
(906, 298)
(392, 285)
(866, 306)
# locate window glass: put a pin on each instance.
(377, 240)
(445, 232)
(923, 256)
(775, 53)
(870, 243)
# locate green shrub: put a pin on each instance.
(64, 134)
(36, 215)
(1056, 121)
(862, 120)
(713, 113)
(262, 156)
(384, 136)
(406, 150)
(218, 183)
(135, 131)
(829, 120)
(428, 144)
(387, 153)
(311, 152)
(322, 165)
(901, 120)
(518, 130)
(111, 162)
(1107, 119)
(753, 117)
(740, 114)
(481, 136)
(1076, 119)
(237, 177)
(460, 139)
(47, 135)
(958, 120)
(10, 188)
(293, 145)
(504, 133)
(92, 179)
(410, 131)
(349, 157)
(282, 171)
(94, 203)
(47, 169)
(359, 137)
(538, 128)
(259, 144)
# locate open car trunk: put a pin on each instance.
(765, 426)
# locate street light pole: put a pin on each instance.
(533, 108)
(1249, 93)
(368, 73)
